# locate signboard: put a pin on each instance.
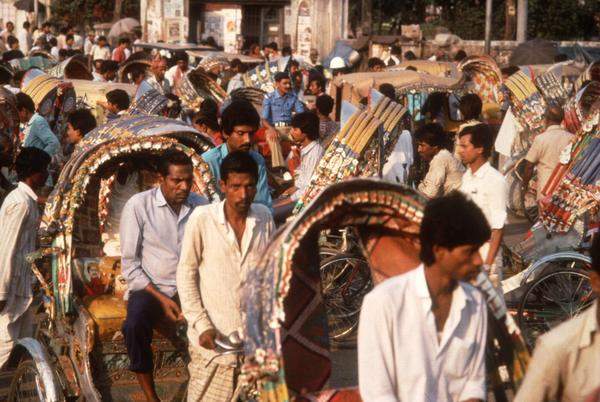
(173, 8)
(224, 26)
(304, 29)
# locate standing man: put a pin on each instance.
(151, 231)
(37, 132)
(122, 52)
(486, 186)
(546, 149)
(176, 73)
(239, 122)
(422, 334)
(24, 37)
(565, 365)
(157, 79)
(445, 171)
(223, 242)
(19, 220)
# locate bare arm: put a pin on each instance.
(527, 173)
(495, 242)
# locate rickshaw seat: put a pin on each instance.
(108, 312)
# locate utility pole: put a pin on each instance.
(366, 11)
(522, 21)
(488, 26)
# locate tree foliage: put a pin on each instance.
(550, 19)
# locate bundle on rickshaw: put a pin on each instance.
(287, 317)
(78, 351)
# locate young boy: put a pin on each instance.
(79, 123)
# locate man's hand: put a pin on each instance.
(171, 309)
(2, 305)
(207, 339)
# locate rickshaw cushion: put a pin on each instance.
(108, 312)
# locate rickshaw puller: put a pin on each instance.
(222, 243)
(151, 231)
(19, 220)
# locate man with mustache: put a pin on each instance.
(239, 122)
(222, 243)
(151, 231)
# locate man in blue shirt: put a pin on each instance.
(240, 121)
(279, 104)
(37, 131)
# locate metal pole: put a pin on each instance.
(488, 26)
(36, 9)
(522, 21)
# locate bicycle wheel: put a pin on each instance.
(27, 384)
(345, 279)
(553, 298)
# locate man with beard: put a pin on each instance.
(222, 243)
(239, 122)
(151, 231)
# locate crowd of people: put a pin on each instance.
(422, 334)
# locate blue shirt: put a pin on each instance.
(151, 234)
(278, 108)
(38, 134)
(215, 156)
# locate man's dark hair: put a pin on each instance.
(396, 50)
(320, 80)
(101, 38)
(449, 222)
(170, 158)
(308, 123)
(273, 45)
(69, 37)
(62, 53)
(53, 42)
(124, 40)
(239, 113)
(17, 78)
(325, 104)
(24, 101)
(286, 51)
(281, 76)
(509, 70)
(239, 162)
(432, 134)
(235, 63)
(460, 55)
(46, 24)
(82, 120)
(180, 56)
(560, 57)
(208, 120)
(209, 107)
(26, 25)
(595, 253)
(11, 40)
(375, 61)
(294, 63)
(554, 114)
(470, 107)
(31, 160)
(108, 65)
(481, 137)
(388, 90)
(409, 55)
(118, 97)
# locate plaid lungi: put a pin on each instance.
(211, 382)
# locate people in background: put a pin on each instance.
(79, 123)
(209, 125)
(395, 56)
(37, 132)
(422, 334)
(117, 103)
(108, 71)
(157, 78)
(279, 105)
(487, 188)
(375, 65)
(327, 126)
(237, 81)
(122, 52)
(101, 50)
(445, 171)
(176, 73)
(25, 38)
(546, 150)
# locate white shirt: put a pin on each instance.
(399, 356)
(507, 133)
(100, 53)
(395, 169)
(213, 267)
(487, 188)
(24, 41)
(310, 156)
(174, 75)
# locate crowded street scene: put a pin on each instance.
(300, 200)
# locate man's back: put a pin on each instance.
(545, 152)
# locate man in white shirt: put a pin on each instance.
(422, 334)
(100, 51)
(19, 219)
(546, 149)
(25, 41)
(487, 188)
(222, 243)
(176, 73)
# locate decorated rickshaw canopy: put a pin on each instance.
(9, 117)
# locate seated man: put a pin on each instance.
(152, 226)
(445, 171)
(79, 123)
(108, 71)
(117, 103)
(422, 334)
(305, 133)
(239, 122)
(37, 132)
